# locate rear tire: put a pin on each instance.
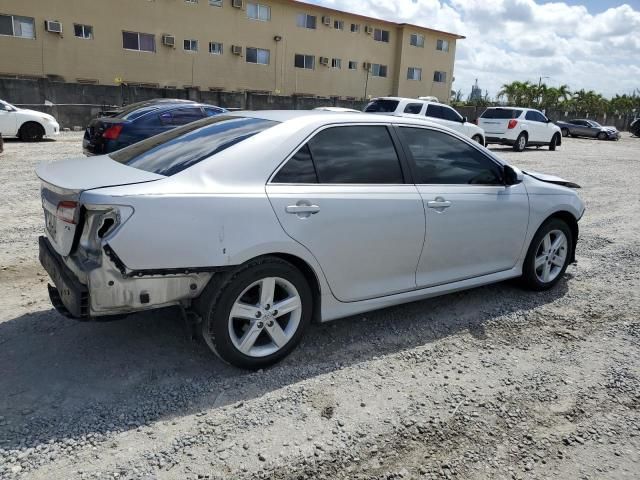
(31, 132)
(554, 142)
(548, 255)
(521, 142)
(256, 335)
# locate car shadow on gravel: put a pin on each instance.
(66, 379)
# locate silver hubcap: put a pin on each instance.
(523, 142)
(265, 316)
(551, 256)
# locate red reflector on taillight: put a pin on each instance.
(512, 124)
(67, 211)
(112, 132)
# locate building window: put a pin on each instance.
(144, 42)
(258, 55)
(306, 21)
(442, 45)
(191, 45)
(439, 76)
(215, 3)
(353, 65)
(381, 35)
(338, 24)
(355, 27)
(304, 61)
(378, 70)
(336, 63)
(414, 73)
(215, 48)
(255, 11)
(83, 31)
(15, 26)
(416, 40)
(190, 1)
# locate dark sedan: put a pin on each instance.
(588, 128)
(131, 124)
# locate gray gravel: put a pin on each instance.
(492, 383)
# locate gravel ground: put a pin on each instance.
(492, 383)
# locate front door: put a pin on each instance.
(343, 196)
(475, 224)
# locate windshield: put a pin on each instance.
(382, 106)
(7, 106)
(501, 113)
(180, 148)
(595, 124)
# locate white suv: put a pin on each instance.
(434, 111)
(519, 127)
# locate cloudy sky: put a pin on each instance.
(590, 44)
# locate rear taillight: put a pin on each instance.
(112, 133)
(66, 211)
(512, 124)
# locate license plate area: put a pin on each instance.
(51, 223)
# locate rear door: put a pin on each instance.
(475, 224)
(343, 196)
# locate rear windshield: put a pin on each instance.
(180, 148)
(382, 106)
(501, 113)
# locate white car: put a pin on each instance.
(337, 109)
(256, 223)
(28, 125)
(520, 128)
(433, 111)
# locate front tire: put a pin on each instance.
(521, 142)
(31, 132)
(255, 316)
(548, 255)
(602, 136)
(478, 139)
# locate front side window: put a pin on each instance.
(16, 26)
(442, 45)
(443, 159)
(215, 48)
(304, 61)
(380, 35)
(191, 45)
(306, 21)
(256, 11)
(416, 40)
(83, 31)
(298, 169)
(413, 108)
(440, 77)
(414, 73)
(378, 70)
(143, 42)
(180, 148)
(355, 154)
(434, 111)
(258, 55)
(450, 114)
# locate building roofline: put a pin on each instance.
(373, 19)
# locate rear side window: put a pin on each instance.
(382, 106)
(443, 159)
(298, 169)
(501, 113)
(180, 148)
(413, 108)
(137, 113)
(182, 116)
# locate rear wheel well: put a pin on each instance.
(572, 222)
(310, 276)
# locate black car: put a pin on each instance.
(634, 128)
(121, 128)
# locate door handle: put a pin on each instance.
(298, 209)
(439, 203)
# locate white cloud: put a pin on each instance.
(524, 40)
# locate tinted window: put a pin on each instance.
(179, 148)
(451, 114)
(443, 159)
(298, 169)
(136, 113)
(535, 116)
(357, 154)
(182, 116)
(501, 113)
(434, 111)
(211, 111)
(413, 108)
(382, 106)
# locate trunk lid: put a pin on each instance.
(62, 184)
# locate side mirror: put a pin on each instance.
(465, 119)
(512, 175)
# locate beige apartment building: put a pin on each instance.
(284, 47)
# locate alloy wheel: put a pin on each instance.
(551, 256)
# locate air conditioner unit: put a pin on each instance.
(236, 49)
(169, 40)
(53, 26)
(368, 29)
(237, 3)
(324, 61)
(326, 20)
(366, 65)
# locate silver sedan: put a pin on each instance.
(254, 224)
